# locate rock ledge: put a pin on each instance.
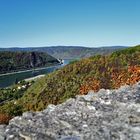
(106, 115)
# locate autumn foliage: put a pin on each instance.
(4, 118)
(129, 76)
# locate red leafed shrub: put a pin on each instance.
(4, 118)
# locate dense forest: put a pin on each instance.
(79, 77)
(15, 61)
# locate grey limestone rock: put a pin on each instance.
(106, 115)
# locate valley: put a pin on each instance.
(69, 70)
(76, 78)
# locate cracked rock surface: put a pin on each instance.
(105, 115)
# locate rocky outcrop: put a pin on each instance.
(106, 115)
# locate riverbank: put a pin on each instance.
(10, 73)
(34, 78)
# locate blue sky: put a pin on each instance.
(26, 23)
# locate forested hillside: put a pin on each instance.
(79, 77)
(15, 61)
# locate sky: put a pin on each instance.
(90, 23)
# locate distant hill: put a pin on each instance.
(15, 61)
(69, 52)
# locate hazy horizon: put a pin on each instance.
(65, 46)
(88, 23)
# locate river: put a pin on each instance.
(9, 79)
